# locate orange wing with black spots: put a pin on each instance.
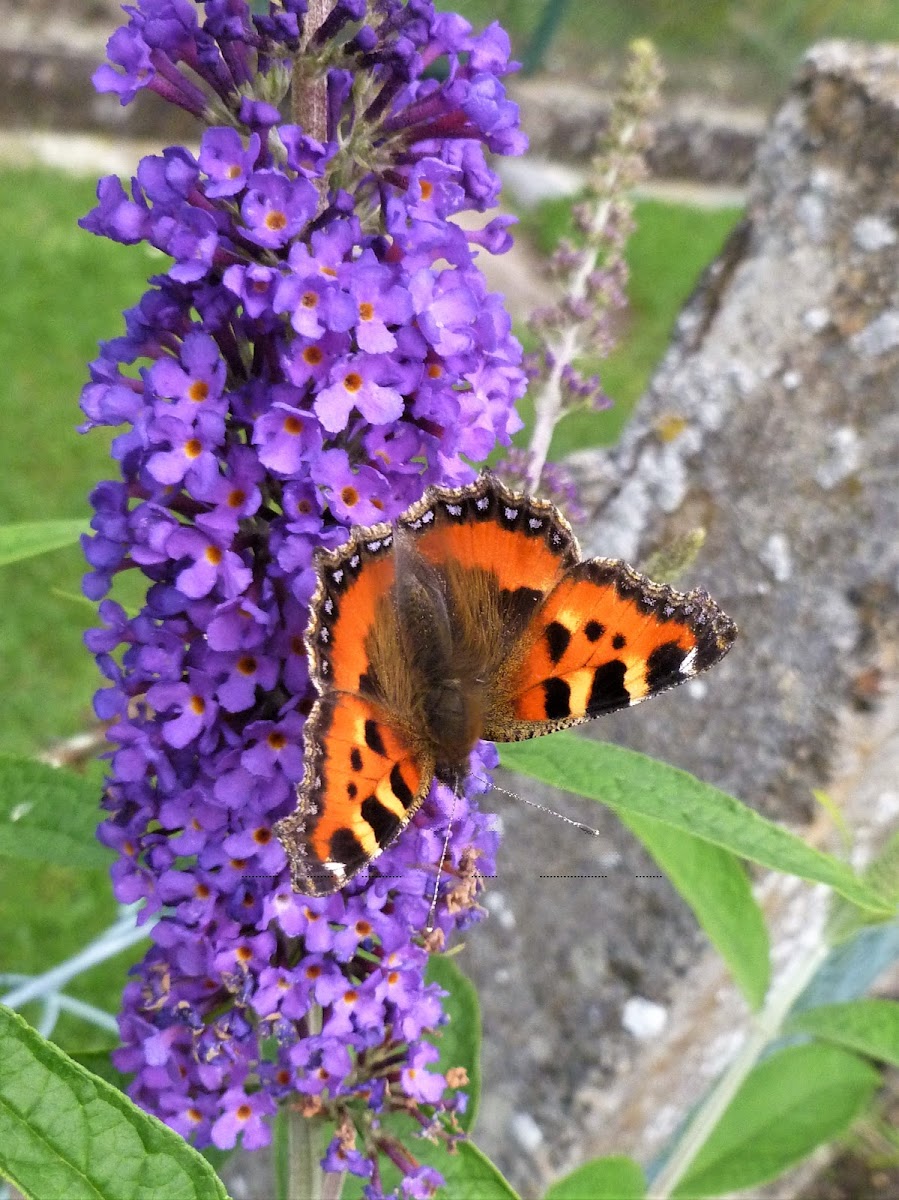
(606, 638)
(362, 785)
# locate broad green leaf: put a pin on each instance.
(31, 538)
(870, 1027)
(632, 783)
(66, 1133)
(459, 1042)
(613, 1178)
(99, 1063)
(789, 1104)
(714, 884)
(470, 1175)
(49, 814)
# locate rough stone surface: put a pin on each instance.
(783, 378)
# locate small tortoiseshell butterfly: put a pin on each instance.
(472, 616)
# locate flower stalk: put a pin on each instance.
(593, 271)
(765, 1029)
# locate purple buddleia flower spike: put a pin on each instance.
(317, 350)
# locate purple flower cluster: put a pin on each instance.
(320, 349)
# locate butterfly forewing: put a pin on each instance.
(353, 581)
(606, 638)
(526, 542)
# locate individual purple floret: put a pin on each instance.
(320, 348)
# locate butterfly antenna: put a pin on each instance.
(429, 928)
(551, 811)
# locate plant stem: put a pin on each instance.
(309, 92)
(766, 1027)
(304, 1151)
(548, 405)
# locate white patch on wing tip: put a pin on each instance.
(688, 666)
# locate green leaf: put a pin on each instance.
(49, 814)
(66, 1133)
(789, 1104)
(870, 1027)
(30, 538)
(470, 1175)
(632, 783)
(714, 884)
(459, 1042)
(99, 1063)
(613, 1178)
(882, 874)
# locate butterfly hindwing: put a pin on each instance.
(362, 785)
(604, 639)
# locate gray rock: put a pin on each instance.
(790, 461)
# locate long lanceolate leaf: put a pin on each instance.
(67, 1133)
(715, 885)
(632, 783)
(30, 538)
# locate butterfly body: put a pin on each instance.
(473, 616)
